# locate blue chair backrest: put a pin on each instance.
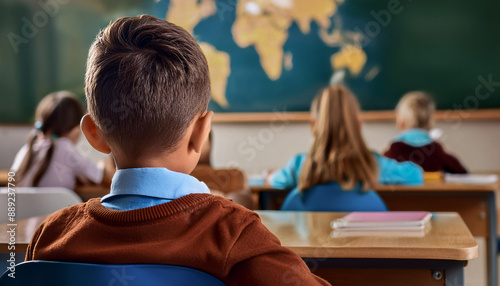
(51, 273)
(330, 197)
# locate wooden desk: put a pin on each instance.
(445, 249)
(25, 229)
(474, 203)
(442, 252)
(4, 176)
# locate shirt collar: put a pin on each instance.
(414, 137)
(154, 182)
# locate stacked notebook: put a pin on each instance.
(478, 179)
(405, 224)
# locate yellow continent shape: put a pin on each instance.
(267, 28)
(351, 57)
(219, 66)
(187, 14)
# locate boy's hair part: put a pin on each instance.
(146, 81)
(416, 109)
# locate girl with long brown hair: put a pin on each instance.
(339, 171)
(50, 158)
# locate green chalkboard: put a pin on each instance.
(448, 48)
(44, 48)
(444, 47)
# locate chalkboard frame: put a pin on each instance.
(366, 116)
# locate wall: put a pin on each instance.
(255, 147)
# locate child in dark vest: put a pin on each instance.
(414, 119)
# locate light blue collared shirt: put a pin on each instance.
(390, 172)
(138, 188)
(414, 137)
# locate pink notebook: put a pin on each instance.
(383, 221)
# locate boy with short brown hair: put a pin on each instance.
(147, 87)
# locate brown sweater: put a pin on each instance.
(201, 231)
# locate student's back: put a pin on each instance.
(147, 88)
(340, 159)
(414, 118)
(50, 158)
(65, 167)
(389, 172)
(331, 197)
(200, 231)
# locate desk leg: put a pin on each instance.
(272, 199)
(476, 208)
(454, 276)
(492, 239)
(264, 200)
(388, 272)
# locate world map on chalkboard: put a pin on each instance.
(259, 52)
(267, 55)
(271, 55)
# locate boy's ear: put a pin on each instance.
(201, 130)
(94, 135)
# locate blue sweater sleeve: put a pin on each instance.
(392, 172)
(288, 176)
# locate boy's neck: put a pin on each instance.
(173, 161)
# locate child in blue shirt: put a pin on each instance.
(340, 158)
(414, 118)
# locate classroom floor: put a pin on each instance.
(476, 271)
